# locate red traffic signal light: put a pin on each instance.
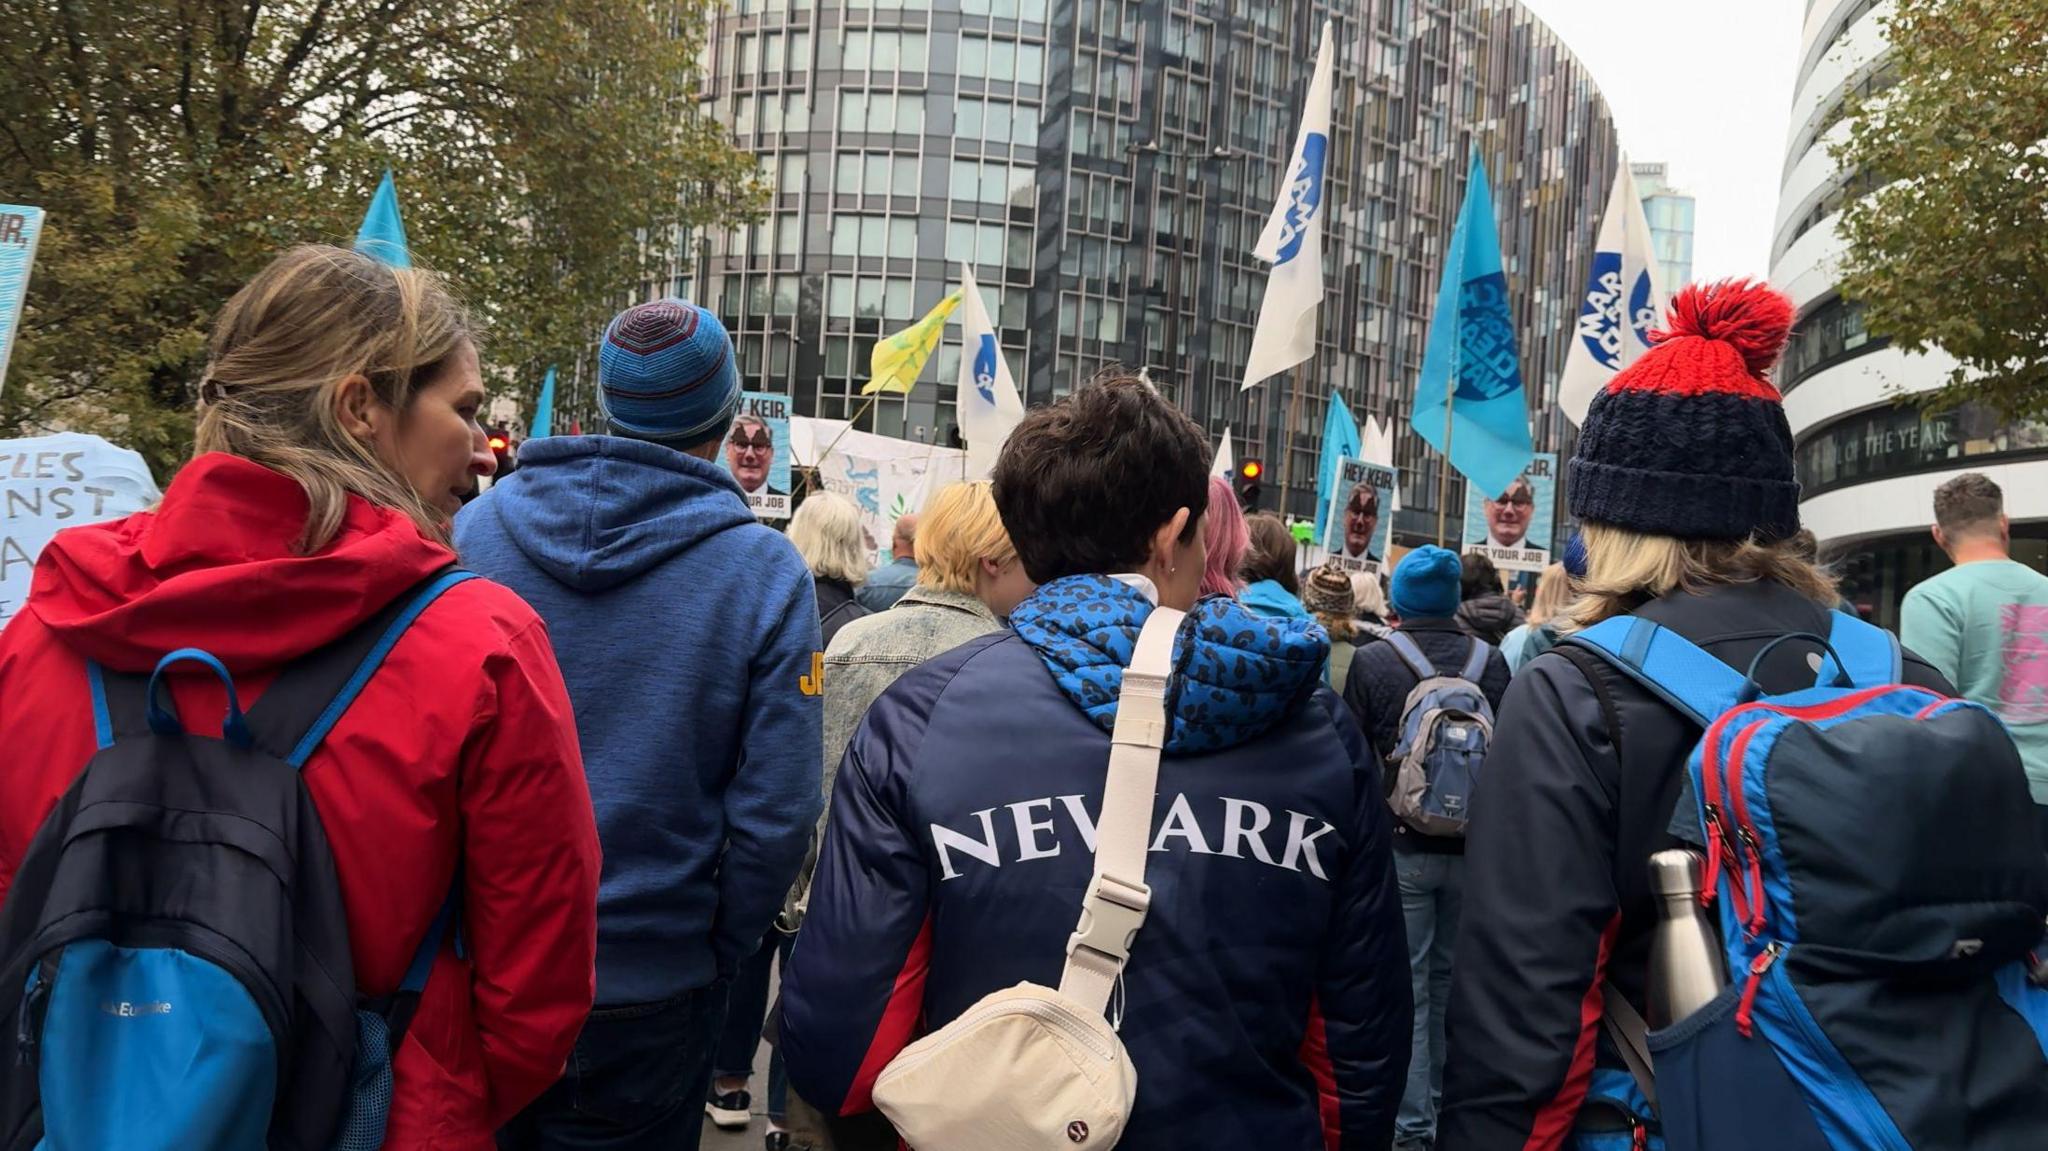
(1251, 470)
(1249, 473)
(498, 443)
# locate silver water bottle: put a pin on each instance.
(1686, 966)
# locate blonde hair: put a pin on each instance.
(1367, 596)
(280, 351)
(958, 529)
(1625, 569)
(826, 530)
(1553, 595)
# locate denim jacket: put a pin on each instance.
(868, 654)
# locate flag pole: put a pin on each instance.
(1287, 438)
(1443, 477)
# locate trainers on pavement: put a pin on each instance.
(731, 1111)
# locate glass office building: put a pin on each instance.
(1670, 215)
(1868, 467)
(1105, 167)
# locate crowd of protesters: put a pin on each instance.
(881, 785)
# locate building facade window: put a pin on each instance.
(1831, 333)
(1902, 440)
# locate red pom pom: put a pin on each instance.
(1748, 315)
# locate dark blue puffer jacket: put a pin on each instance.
(1267, 996)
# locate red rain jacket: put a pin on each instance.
(461, 749)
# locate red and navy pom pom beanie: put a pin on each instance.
(1690, 440)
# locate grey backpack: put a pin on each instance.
(1446, 728)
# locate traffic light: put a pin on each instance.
(501, 447)
(1249, 473)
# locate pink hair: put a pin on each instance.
(1228, 541)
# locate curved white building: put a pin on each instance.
(1868, 466)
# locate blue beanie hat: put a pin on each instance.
(1426, 584)
(665, 372)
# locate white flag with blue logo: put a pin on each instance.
(1623, 304)
(1293, 241)
(989, 406)
(1226, 459)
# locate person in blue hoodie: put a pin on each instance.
(1272, 588)
(688, 635)
(1266, 1003)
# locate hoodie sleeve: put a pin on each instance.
(529, 868)
(772, 803)
(1525, 995)
(1363, 1016)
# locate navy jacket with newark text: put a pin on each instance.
(1266, 1002)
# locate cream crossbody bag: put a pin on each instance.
(1034, 1069)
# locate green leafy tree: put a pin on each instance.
(1951, 250)
(550, 157)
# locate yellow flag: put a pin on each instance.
(897, 359)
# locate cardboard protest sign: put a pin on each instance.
(757, 452)
(1513, 527)
(1361, 515)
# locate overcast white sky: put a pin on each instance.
(1707, 88)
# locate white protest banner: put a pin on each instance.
(1513, 527)
(50, 483)
(1361, 515)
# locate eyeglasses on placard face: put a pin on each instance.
(759, 443)
(1521, 501)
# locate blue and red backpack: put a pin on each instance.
(1881, 888)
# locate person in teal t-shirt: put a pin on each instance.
(1984, 622)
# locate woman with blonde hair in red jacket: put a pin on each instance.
(337, 434)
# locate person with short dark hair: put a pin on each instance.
(1486, 612)
(688, 633)
(1272, 590)
(1984, 622)
(1266, 1004)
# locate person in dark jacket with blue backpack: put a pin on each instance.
(1683, 480)
(1265, 1003)
(1431, 868)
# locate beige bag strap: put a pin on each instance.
(1114, 908)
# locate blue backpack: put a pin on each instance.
(176, 933)
(1446, 728)
(1881, 888)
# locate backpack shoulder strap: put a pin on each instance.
(1118, 898)
(1675, 669)
(1870, 655)
(310, 696)
(1411, 654)
(1475, 663)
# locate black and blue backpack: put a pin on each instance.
(174, 946)
(1881, 890)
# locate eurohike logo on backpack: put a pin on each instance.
(176, 935)
(1446, 727)
(1880, 885)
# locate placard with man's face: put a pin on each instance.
(1513, 527)
(1361, 516)
(756, 452)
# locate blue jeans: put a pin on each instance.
(635, 1081)
(1432, 894)
(744, 1015)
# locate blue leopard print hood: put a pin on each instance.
(1235, 675)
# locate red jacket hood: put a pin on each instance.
(212, 567)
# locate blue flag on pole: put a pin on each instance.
(1340, 439)
(543, 410)
(1471, 364)
(382, 236)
